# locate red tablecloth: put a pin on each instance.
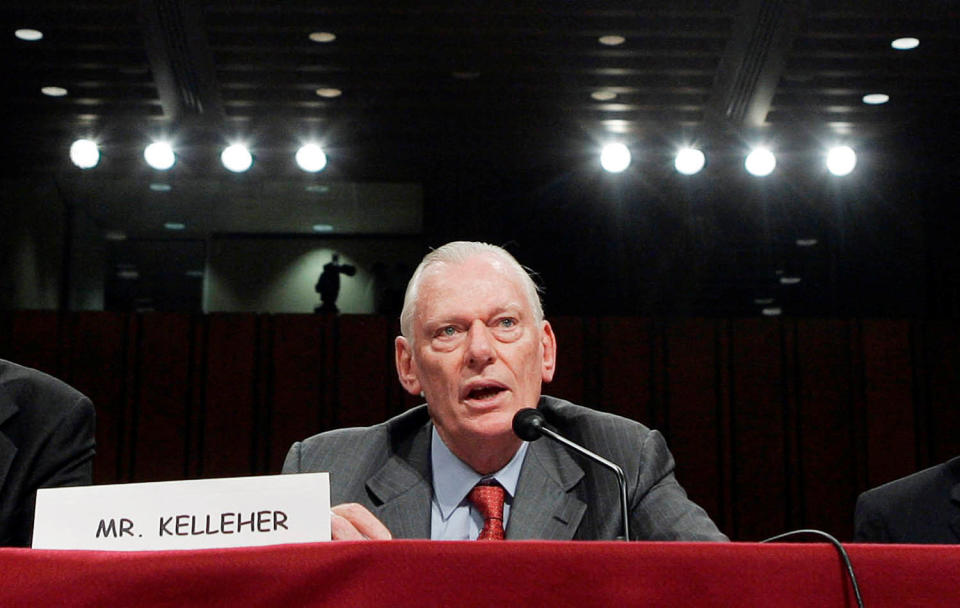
(425, 573)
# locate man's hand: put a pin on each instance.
(352, 521)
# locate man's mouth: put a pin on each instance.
(485, 392)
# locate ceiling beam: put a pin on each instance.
(753, 62)
(181, 61)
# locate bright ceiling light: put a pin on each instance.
(614, 158)
(311, 158)
(159, 155)
(28, 34)
(841, 160)
(84, 153)
(175, 226)
(689, 161)
(322, 37)
(53, 91)
(603, 95)
(760, 162)
(611, 40)
(322, 228)
(905, 44)
(329, 93)
(236, 158)
(875, 99)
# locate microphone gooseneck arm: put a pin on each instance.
(529, 424)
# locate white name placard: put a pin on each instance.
(194, 514)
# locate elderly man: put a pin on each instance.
(476, 346)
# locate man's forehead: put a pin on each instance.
(445, 279)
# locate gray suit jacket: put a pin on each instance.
(560, 495)
(920, 508)
(46, 440)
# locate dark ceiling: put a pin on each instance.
(490, 84)
(416, 75)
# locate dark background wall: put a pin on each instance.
(775, 424)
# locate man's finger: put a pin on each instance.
(352, 521)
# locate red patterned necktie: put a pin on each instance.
(487, 497)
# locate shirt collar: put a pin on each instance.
(453, 479)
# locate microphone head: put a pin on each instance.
(528, 424)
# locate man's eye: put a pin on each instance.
(508, 322)
(448, 331)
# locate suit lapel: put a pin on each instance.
(545, 506)
(404, 489)
(7, 450)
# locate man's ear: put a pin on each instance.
(548, 342)
(406, 369)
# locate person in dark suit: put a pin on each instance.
(922, 508)
(475, 344)
(46, 440)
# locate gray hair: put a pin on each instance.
(458, 252)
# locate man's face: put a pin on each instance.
(477, 353)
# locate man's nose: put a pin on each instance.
(480, 351)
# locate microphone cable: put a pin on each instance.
(840, 550)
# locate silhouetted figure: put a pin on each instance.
(328, 285)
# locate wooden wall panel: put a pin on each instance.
(693, 423)
(941, 371)
(775, 424)
(295, 383)
(229, 408)
(568, 379)
(364, 354)
(162, 397)
(35, 340)
(891, 448)
(827, 464)
(760, 500)
(95, 362)
(626, 369)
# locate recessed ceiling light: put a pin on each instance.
(806, 242)
(462, 75)
(115, 235)
(28, 34)
(875, 99)
(763, 301)
(157, 187)
(160, 155)
(322, 37)
(322, 228)
(772, 311)
(195, 274)
(54, 91)
(329, 93)
(689, 161)
(841, 160)
(311, 158)
(760, 162)
(174, 225)
(905, 44)
(236, 158)
(789, 280)
(615, 157)
(611, 40)
(85, 153)
(603, 95)
(128, 274)
(317, 188)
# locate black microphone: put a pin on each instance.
(529, 425)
